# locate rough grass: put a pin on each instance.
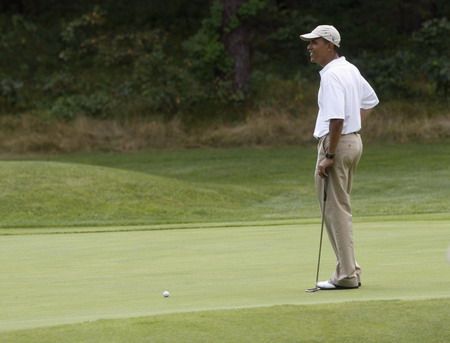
(30, 134)
(267, 126)
(400, 122)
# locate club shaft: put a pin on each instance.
(321, 228)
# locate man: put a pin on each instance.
(345, 99)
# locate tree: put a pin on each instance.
(220, 51)
(235, 39)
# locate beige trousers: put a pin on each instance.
(338, 210)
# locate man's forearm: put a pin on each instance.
(334, 135)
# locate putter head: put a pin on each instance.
(312, 290)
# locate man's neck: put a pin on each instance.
(331, 58)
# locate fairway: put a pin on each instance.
(50, 279)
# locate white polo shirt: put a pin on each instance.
(342, 93)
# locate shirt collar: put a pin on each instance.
(337, 61)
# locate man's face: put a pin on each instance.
(319, 51)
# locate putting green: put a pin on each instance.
(50, 279)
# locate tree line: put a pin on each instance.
(175, 57)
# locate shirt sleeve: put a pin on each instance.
(333, 102)
(369, 98)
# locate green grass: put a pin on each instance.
(52, 279)
(49, 194)
(385, 321)
(91, 241)
(193, 186)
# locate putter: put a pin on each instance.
(315, 289)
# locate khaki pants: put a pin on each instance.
(338, 210)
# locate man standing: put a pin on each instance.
(345, 99)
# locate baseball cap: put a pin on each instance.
(328, 32)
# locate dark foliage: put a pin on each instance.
(176, 57)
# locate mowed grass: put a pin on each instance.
(43, 194)
(54, 279)
(193, 186)
(231, 232)
(384, 321)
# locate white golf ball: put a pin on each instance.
(166, 294)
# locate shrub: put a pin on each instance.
(421, 68)
(95, 105)
(137, 64)
(169, 88)
(435, 62)
(10, 95)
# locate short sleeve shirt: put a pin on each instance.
(342, 93)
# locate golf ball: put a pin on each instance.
(166, 294)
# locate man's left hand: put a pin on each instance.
(323, 166)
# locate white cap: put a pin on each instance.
(325, 31)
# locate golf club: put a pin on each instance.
(315, 289)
